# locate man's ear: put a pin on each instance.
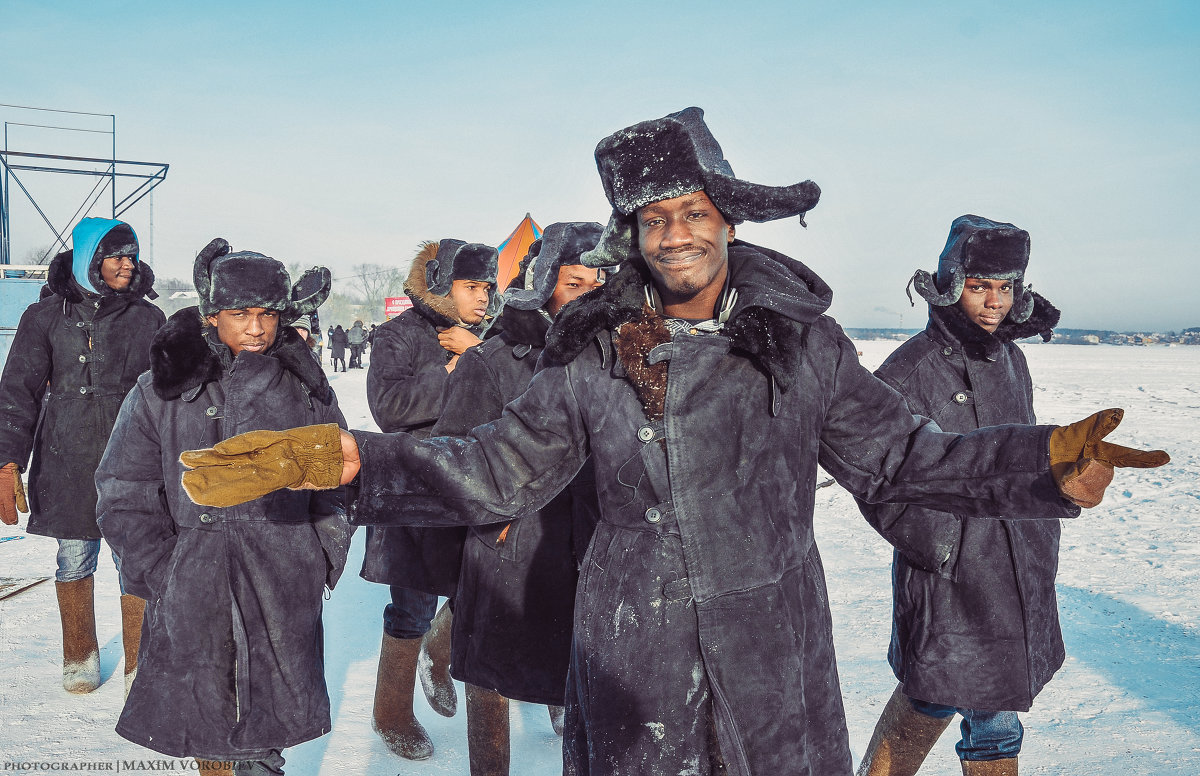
(732, 229)
(212, 320)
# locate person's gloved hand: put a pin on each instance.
(12, 495)
(251, 465)
(1082, 464)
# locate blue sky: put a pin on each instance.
(339, 135)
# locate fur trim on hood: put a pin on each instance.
(438, 309)
(181, 359)
(61, 281)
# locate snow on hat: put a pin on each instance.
(235, 281)
(561, 244)
(672, 156)
(979, 248)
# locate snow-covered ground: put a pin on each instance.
(1127, 700)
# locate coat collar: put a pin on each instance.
(951, 324)
(523, 327)
(775, 293)
(182, 359)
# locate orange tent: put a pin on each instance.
(514, 248)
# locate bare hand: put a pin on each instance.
(456, 339)
(350, 460)
(451, 364)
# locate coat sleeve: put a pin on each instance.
(928, 539)
(131, 507)
(402, 392)
(878, 450)
(472, 396)
(22, 386)
(509, 467)
(327, 509)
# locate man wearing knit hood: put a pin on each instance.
(706, 384)
(75, 355)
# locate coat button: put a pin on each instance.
(83, 389)
(947, 351)
(80, 324)
(653, 515)
(960, 398)
(210, 411)
(645, 433)
(83, 359)
(206, 518)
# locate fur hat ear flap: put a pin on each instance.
(143, 281)
(431, 273)
(741, 200)
(310, 291)
(1022, 302)
(561, 244)
(439, 270)
(202, 270)
(927, 287)
(616, 243)
(677, 154)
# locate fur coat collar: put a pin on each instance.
(953, 325)
(182, 359)
(775, 293)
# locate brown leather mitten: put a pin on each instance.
(1082, 463)
(12, 495)
(251, 465)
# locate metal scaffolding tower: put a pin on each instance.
(144, 176)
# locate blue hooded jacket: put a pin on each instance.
(86, 237)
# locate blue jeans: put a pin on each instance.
(986, 735)
(409, 614)
(78, 558)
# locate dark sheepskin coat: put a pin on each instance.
(74, 357)
(975, 618)
(231, 660)
(516, 590)
(405, 381)
(702, 626)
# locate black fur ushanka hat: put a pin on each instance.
(458, 260)
(561, 245)
(235, 281)
(979, 248)
(672, 156)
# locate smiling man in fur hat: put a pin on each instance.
(975, 620)
(76, 353)
(516, 588)
(232, 667)
(706, 383)
(452, 285)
